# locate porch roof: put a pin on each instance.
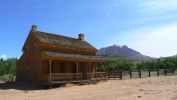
(57, 54)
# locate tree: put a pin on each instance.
(8, 66)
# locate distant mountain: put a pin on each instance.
(123, 50)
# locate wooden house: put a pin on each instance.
(51, 59)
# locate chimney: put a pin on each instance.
(81, 36)
(34, 27)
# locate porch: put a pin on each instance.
(55, 72)
(60, 78)
(58, 67)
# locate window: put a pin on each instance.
(21, 71)
(35, 46)
(62, 68)
(35, 69)
(51, 67)
(27, 49)
(26, 70)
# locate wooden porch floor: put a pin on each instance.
(71, 81)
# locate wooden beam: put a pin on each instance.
(105, 66)
(50, 70)
(77, 69)
(96, 70)
(40, 68)
(89, 69)
(53, 58)
(64, 48)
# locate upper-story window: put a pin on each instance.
(27, 49)
(35, 46)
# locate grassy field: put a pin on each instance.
(7, 78)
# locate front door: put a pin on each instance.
(83, 71)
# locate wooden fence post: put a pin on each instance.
(130, 74)
(165, 72)
(149, 72)
(114, 75)
(140, 73)
(157, 72)
(121, 74)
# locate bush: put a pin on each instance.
(7, 78)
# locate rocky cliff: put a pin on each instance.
(123, 50)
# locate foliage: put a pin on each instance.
(7, 78)
(116, 65)
(8, 66)
(160, 64)
(125, 65)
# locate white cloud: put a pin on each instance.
(158, 6)
(158, 42)
(3, 56)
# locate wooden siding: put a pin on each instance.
(29, 59)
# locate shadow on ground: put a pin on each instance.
(21, 86)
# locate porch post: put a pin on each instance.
(89, 70)
(105, 66)
(96, 70)
(77, 70)
(105, 69)
(50, 64)
(40, 70)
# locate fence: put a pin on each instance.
(150, 72)
(142, 73)
(115, 75)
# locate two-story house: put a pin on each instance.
(51, 58)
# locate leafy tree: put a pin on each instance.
(8, 66)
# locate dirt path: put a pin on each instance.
(154, 88)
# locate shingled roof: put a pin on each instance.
(71, 56)
(60, 40)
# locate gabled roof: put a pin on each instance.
(71, 56)
(60, 40)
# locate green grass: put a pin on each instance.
(7, 78)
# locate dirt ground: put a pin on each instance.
(153, 88)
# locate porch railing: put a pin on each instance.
(61, 77)
(66, 76)
(101, 75)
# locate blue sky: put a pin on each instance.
(147, 26)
